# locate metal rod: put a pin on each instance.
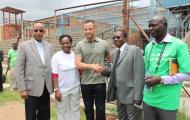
(87, 5)
(55, 20)
(186, 91)
(139, 27)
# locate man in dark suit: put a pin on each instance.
(1, 71)
(126, 78)
(33, 74)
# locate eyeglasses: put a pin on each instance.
(116, 37)
(38, 30)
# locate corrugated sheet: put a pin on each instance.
(174, 3)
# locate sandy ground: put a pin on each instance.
(15, 110)
(12, 111)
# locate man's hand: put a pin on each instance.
(58, 95)
(24, 94)
(98, 68)
(152, 80)
(138, 102)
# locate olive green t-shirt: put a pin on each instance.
(162, 96)
(92, 53)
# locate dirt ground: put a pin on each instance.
(12, 111)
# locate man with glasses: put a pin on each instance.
(126, 78)
(33, 75)
(163, 89)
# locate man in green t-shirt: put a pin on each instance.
(161, 96)
(12, 63)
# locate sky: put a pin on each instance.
(37, 9)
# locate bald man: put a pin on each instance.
(162, 90)
(33, 75)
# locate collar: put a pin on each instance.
(38, 43)
(14, 49)
(123, 47)
(96, 39)
(167, 39)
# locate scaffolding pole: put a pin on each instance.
(126, 15)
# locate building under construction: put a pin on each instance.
(133, 15)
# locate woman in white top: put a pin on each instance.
(66, 81)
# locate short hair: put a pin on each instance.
(65, 35)
(124, 33)
(89, 21)
(161, 18)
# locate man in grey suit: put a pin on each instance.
(126, 78)
(33, 75)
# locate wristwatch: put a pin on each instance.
(55, 89)
(161, 81)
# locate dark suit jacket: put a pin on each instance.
(129, 76)
(1, 59)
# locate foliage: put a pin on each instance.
(7, 96)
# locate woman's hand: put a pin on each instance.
(58, 95)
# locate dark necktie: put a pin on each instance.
(114, 67)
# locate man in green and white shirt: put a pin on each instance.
(12, 63)
(161, 100)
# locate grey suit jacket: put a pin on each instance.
(31, 73)
(129, 76)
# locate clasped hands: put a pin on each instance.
(152, 80)
(98, 68)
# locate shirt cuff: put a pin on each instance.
(165, 80)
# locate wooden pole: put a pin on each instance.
(3, 25)
(15, 18)
(126, 15)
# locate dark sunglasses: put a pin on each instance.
(116, 37)
(38, 30)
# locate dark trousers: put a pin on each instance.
(1, 80)
(38, 108)
(94, 93)
(128, 111)
(152, 113)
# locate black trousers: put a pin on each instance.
(38, 108)
(1, 80)
(152, 113)
(94, 93)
